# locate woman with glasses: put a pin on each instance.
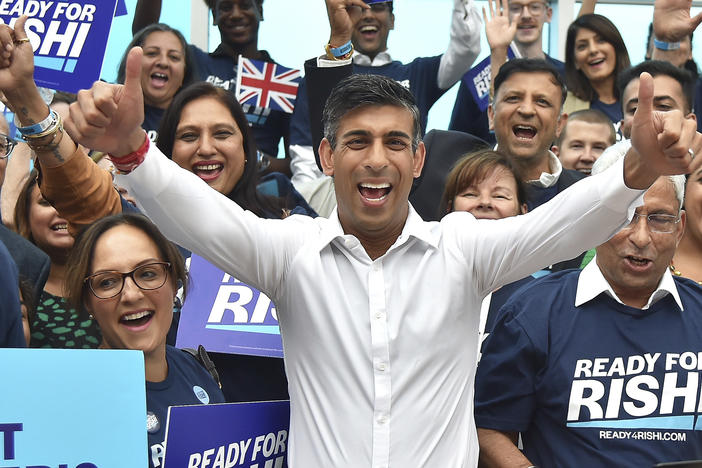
(126, 275)
(595, 55)
(206, 132)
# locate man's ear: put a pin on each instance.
(418, 161)
(392, 21)
(549, 14)
(491, 117)
(326, 157)
(681, 228)
(692, 116)
(554, 150)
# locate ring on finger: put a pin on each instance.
(21, 41)
(691, 153)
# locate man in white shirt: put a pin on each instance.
(378, 309)
(586, 364)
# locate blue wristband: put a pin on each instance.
(341, 50)
(662, 45)
(41, 126)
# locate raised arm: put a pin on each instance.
(587, 7)
(464, 43)
(146, 12)
(500, 34)
(589, 212)
(79, 190)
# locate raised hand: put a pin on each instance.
(672, 20)
(16, 60)
(108, 117)
(343, 14)
(664, 142)
(498, 29)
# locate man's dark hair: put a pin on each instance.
(362, 90)
(529, 65)
(658, 68)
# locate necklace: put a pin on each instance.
(677, 272)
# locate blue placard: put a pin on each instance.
(73, 408)
(227, 316)
(478, 79)
(68, 39)
(233, 434)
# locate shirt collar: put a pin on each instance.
(383, 58)
(414, 227)
(549, 179)
(592, 283)
(223, 50)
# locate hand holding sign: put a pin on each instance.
(343, 15)
(663, 143)
(498, 29)
(108, 117)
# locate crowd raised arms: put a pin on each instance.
(563, 274)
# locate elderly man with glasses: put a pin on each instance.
(599, 367)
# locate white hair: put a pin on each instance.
(617, 151)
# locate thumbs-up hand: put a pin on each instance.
(108, 117)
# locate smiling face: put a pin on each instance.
(526, 115)
(582, 144)
(135, 318)
(634, 260)
(594, 56)
(163, 68)
(493, 197)
(208, 142)
(667, 95)
(529, 24)
(372, 28)
(49, 230)
(238, 21)
(373, 167)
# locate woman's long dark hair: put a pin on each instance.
(244, 192)
(576, 80)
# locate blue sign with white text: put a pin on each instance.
(478, 80)
(73, 408)
(252, 435)
(68, 38)
(227, 316)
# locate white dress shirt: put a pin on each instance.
(591, 283)
(380, 354)
(462, 50)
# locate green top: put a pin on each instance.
(58, 325)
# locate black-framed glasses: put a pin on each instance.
(7, 145)
(379, 7)
(108, 284)
(535, 8)
(660, 223)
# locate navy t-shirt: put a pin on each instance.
(467, 116)
(220, 69)
(152, 120)
(419, 76)
(599, 385)
(188, 383)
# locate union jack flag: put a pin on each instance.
(264, 84)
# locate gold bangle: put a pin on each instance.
(51, 146)
(58, 124)
(331, 56)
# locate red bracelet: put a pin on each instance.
(127, 163)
